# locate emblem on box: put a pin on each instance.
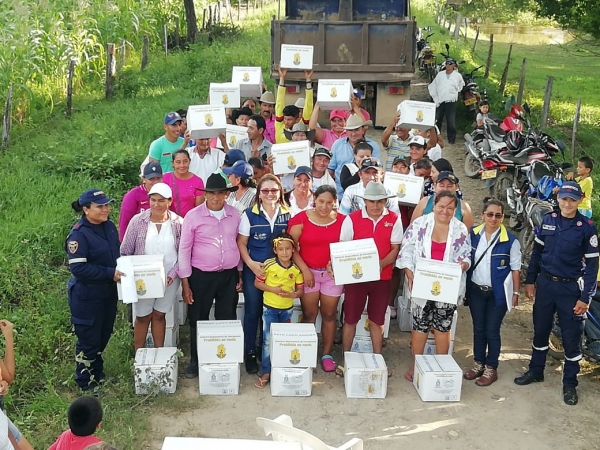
(246, 77)
(213, 377)
(401, 190)
(333, 92)
(295, 357)
(208, 120)
(296, 59)
(419, 116)
(436, 288)
(367, 325)
(357, 272)
(225, 99)
(221, 351)
(140, 287)
(232, 141)
(291, 163)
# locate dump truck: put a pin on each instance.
(371, 42)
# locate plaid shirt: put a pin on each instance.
(134, 241)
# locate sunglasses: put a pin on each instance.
(269, 191)
(494, 215)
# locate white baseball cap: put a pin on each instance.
(162, 189)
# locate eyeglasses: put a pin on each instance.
(490, 215)
(269, 191)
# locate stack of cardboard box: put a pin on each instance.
(172, 331)
(362, 340)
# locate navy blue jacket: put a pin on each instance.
(259, 245)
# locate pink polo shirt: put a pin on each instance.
(209, 243)
(269, 134)
(329, 137)
(134, 202)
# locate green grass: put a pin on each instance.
(48, 164)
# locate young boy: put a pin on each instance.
(400, 165)
(585, 164)
(282, 283)
(85, 417)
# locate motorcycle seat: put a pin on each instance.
(516, 159)
(471, 85)
(496, 133)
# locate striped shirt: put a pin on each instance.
(243, 203)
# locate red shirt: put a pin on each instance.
(68, 441)
(315, 238)
(437, 250)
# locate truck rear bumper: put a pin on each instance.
(356, 77)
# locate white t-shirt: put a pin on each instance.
(5, 443)
(205, 166)
(325, 179)
(244, 229)
(434, 153)
(161, 243)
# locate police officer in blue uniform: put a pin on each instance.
(564, 266)
(92, 248)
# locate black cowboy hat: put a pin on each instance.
(217, 183)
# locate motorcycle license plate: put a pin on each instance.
(487, 174)
(470, 101)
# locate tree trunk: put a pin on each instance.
(190, 18)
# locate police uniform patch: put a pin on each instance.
(579, 223)
(554, 215)
(594, 241)
(73, 246)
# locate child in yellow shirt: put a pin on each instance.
(281, 283)
(585, 164)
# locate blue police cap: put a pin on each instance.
(570, 189)
(94, 196)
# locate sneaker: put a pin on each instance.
(251, 364)
(191, 371)
(570, 395)
(489, 376)
(475, 372)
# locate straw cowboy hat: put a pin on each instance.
(356, 121)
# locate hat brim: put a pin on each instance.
(310, 134)
(104, 201)
(227, 189)
(375, 198)
(368, 123)
(153, 175)
(171, 122)
(568, 195)
(362, 169)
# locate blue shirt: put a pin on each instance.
(343, 154)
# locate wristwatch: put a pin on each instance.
(516, 293)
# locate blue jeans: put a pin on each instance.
(487, 319)
(269, 316)
(253, 304)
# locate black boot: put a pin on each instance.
(191, 371)
(570, 395)
(528, 378)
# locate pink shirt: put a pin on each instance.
(208, 243)
(437, 250)
(184, 192)
(68, 441)
(134, 202)
(365, 114)
(329, 137)
(269, 134)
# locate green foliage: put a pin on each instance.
(581, 15)
(503, 11)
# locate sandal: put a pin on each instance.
(339, 371)
(328, 364)
(261, 383)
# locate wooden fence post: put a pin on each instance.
(110, 71)
(145, 46)
(575, 123)
(122, 55)
(522, 82)
(238, 10)
(70, 87)
(505, 71)
(6, 119)
(443, 22)
(457, 26)
(210, 16)
(449, 21)
(437, 13)
(204, 19)
(476, 38)
(547, 97)
(488, 63)
(165, 40)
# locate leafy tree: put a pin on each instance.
(581, 15)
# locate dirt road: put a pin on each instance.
(501, 416)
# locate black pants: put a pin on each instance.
(206, 287)
(449, 110)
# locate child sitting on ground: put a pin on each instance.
(281, 283)
(85, 417)
(585, 164)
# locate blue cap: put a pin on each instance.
(153, 170)
(172, 117)
(570, 189)
(232, 156)
(357, 92)
(303, 170)
(94, 196)
(240, 169)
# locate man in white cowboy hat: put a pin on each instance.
(342, 149)
(375, 221)
(267, 104)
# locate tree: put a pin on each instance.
(580, 15)
(190, 18)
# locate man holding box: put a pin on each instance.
(287, 116)
(375, 221)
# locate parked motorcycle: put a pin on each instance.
(514, 120)
(470, 92)
(425, 56)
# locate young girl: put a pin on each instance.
(484, 109)
(282, 283)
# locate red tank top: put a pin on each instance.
(437, 250)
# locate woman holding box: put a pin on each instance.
(439, 236)
(314, 230)
(156, 231)
(496, 256)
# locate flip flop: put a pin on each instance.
(261, 383)
(339, 371)
(328, 364)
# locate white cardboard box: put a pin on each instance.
(288, 382)
(408, 188)
(297, 315)
(365, 375)
(219, 379)
(220, 342)
(289, 156)
(413, 114)
(362, 344)
(171, 337)
(437, 378)
(438, 281)
(149, 273)
(430, 348)
(355, 261)
(298, 57)
(206, 121)
(224, 94)
(233, 134)
(250, 80)
(334, 94)
(364, 325)
(293, 345)
(452, 328)
(155, 368)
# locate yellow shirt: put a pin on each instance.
(278, 276)
(280, 104)
(586, 187)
